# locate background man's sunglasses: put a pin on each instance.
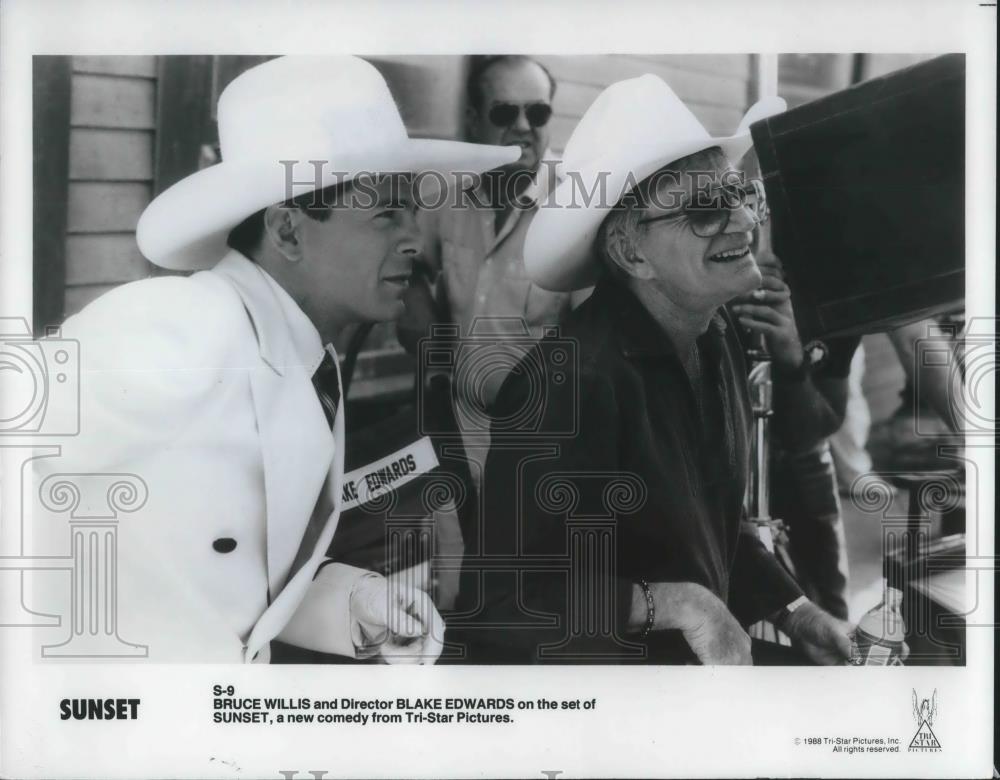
(710, 220)
(505, 114)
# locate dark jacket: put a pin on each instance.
(602, 472)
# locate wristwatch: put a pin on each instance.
(779, 617)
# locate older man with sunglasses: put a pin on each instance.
(647, 432)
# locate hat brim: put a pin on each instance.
(559, 247)
(186, 226)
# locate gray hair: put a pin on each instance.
(617, 238)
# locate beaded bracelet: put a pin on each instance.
(650, 609)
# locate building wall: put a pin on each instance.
(112, 122)
(717, 87)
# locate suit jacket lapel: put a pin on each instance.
(297, 449)
(277, 615)
(296, 444)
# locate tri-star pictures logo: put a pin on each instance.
(924, 712)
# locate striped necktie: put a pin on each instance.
(327, 387)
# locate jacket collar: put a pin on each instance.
(638, 333)
(296, 344)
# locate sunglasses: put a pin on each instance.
(711, 216)
(506, 114)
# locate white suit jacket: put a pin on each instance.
(201, 386)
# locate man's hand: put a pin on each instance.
(768, 311)
(713, 634)
(400, 620)
(823, 638)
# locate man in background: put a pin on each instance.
(472, 273)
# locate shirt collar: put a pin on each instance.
(298, 342)
(547, 176)
(638, 333)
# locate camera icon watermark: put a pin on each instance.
(962, 368)
(39, 381)
(478, 365)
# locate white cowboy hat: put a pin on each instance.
(337, 110)
(631, 130)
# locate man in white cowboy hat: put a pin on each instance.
(657, 400)
(221, 390)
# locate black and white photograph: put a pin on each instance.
(595, 379)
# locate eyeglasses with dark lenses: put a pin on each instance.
(506, 114)
(711, 216)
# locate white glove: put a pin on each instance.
(398, 620)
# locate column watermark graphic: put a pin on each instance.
(93, 503)
(39, 413)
